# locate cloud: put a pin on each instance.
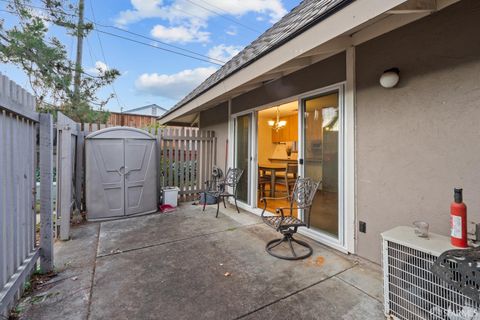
(183, 15)
(99, 68)
(142, 9)
(172, 86)
(231, 31)
(223, 52)
(184, 9)
(181, 34)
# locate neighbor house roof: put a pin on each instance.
(301, 18)
(146, 107)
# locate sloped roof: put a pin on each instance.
(301, 18)
(154, 105)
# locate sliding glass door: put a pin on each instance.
(242, 154)
(322, 130)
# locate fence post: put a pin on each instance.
(64, 183)
(79, 176)
(46, 182)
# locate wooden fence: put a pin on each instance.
(187, 156)
(19, 248)
(131, 120)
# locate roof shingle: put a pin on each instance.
(302, 17)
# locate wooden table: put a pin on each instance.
(273, 168)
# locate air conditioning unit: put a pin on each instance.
(411, 291)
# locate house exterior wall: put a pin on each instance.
(321, 74)
(216, 119)
(416, 142)
(318, 75)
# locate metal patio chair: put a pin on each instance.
(219, 190)
(301, 197)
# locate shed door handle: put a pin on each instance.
(119, 170)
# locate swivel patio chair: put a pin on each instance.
(301, 197)
(219, 190)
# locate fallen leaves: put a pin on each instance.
(317, 262)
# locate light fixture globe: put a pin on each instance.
(277, 124)
(390, 78)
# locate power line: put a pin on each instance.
(155, 40)
(223, 16)
(153, 46)
(103, 55)
(205, 58)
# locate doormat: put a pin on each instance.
(166, 208)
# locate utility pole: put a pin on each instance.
(78, 63)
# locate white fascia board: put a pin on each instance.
(351, 16)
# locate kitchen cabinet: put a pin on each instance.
(293, 128)
(287, 133)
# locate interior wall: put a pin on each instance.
(318, 75)
(216, 119)
(266, 148)
(416, 142)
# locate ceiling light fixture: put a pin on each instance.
(277, 124)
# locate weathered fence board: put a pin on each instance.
(79, 168)
(66, 140)
(46, 203)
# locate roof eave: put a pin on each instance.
(335, 25)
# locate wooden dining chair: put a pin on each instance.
(263, 180)
(288, 177)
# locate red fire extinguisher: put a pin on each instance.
(458, 220)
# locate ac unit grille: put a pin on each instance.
(414, 293)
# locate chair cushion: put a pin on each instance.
(288, 221)
(282, 175)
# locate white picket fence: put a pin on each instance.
(19, 248)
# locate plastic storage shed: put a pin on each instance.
(121, 173)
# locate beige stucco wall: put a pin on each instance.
(419, 140)
(216, 119)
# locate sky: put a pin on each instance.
(211, 30)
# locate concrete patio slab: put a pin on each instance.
(139, 232)
(367, 277)
(67, 295)
(221, 275)
(330, 299)
(190, 265)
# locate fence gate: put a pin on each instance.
(67, 133)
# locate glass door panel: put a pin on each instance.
(242, 154)
(321, 123)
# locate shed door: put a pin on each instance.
(140, 178)
(109, 165)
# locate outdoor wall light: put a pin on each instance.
(390, 78)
